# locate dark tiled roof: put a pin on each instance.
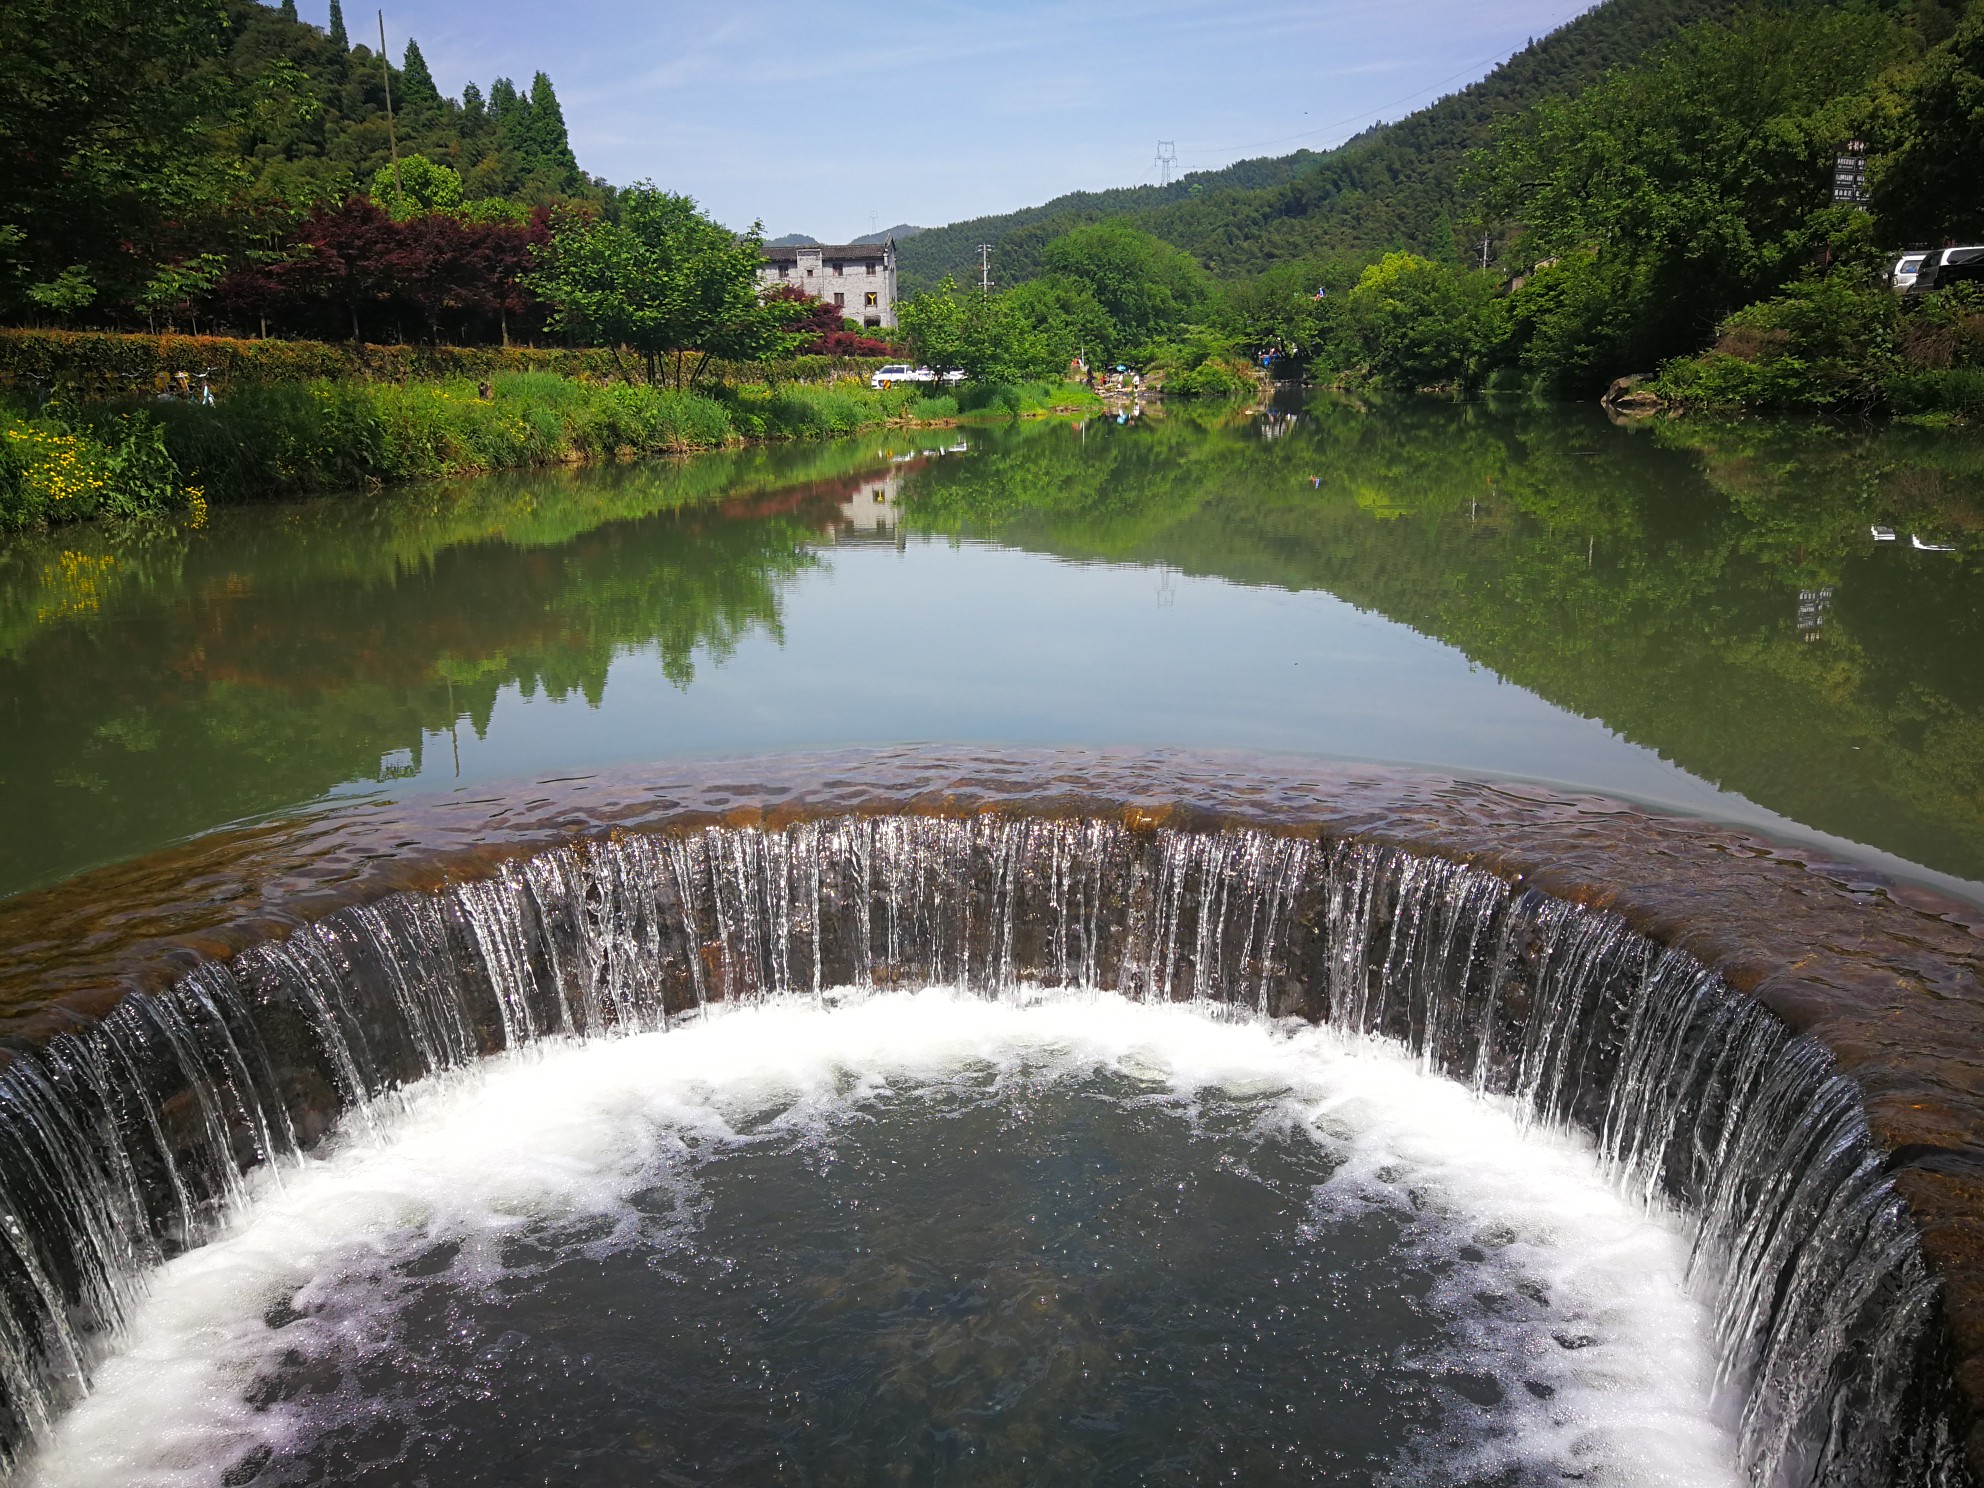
(852, 252)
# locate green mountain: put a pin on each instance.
(1393, 186)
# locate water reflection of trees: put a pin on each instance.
(1648, 578)
(155, 682)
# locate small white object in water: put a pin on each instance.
(1929, 547)
(1883, 534)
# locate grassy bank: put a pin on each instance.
(263, 441)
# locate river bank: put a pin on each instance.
(64, 463)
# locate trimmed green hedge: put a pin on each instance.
(106, 364)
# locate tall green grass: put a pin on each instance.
(263, 441)
(281, 439)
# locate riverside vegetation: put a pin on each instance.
(121, 459)
(1648, 189)
(1643, 191)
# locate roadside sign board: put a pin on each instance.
(1849, 175)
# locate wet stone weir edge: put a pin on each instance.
(1700, 1000)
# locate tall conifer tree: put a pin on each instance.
(503, 101)
(287, 10)
(417, 88)
(548, 146)
(336, 30)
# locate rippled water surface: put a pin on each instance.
(1695, 617)
(924, 1238)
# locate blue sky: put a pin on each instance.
(815, 117)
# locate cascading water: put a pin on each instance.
(128, 1142)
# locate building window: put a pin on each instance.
(871, 268)
(839, 298)
(784, 270)
(871, 320)
(871, 299)
(809, 273)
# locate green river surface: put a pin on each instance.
(1689, 615)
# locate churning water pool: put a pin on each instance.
(923, 1237)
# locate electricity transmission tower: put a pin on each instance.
(1167, 161)
(985, 268)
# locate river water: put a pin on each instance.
(1699, 618)
(924, 1237)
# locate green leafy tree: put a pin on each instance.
(65, 294)
(1931, 187)
(175, 287)
(1067, 319)
(664, 281)
(419, 185)
(1146, 286)
(106, 113)
(1300, 309)
(1424, 324)
(986, 337)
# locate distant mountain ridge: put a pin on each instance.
(899, 232)
(1392, 186)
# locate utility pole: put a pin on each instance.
(1484, 250)
(1167, 159)
(392, 135)
(985, 268)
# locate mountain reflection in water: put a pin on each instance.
(1678, 608)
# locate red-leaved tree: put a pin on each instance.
(354, 271)
(824, 327)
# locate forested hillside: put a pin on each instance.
(1397, 186)
(1647, 191)
(147, 150)
(319, 131)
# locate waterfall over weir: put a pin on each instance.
(127, 1143)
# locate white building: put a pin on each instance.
(858, 279)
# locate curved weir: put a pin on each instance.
(127, 1140)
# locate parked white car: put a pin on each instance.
(897, 372)
(1939, 268)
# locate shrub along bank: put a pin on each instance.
(76, 461)
(1829, 344)
(103, 363)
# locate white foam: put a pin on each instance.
(571, 1133)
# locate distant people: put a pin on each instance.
(486, 392)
